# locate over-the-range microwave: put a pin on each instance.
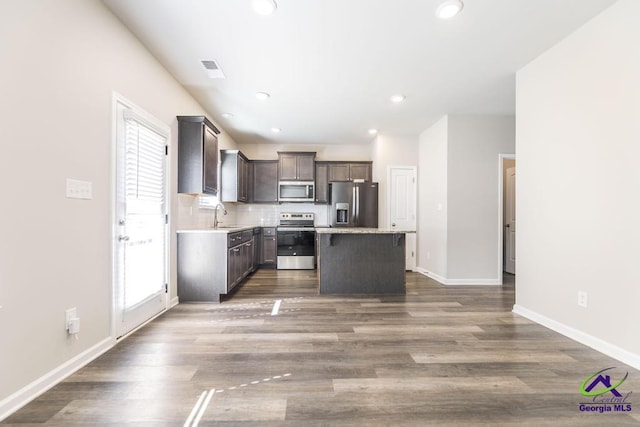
(296, 191)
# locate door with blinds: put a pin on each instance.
(140, 229)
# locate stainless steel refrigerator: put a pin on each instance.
(354, 204)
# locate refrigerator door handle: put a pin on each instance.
(357, 206)
(354, 206)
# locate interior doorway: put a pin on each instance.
(401, 207)
(507, 216)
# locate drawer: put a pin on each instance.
(234, 239)
(269, 231)
(247, 235)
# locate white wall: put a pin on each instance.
(578, 121)
(61, 62)
(458, 234)
(432, 199)
(390, 150)
(473, 233)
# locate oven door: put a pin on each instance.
(296, 248)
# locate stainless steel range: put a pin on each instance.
(296, 239)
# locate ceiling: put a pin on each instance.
(330, 66)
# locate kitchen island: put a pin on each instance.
(361, 261)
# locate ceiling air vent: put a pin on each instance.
(213, 70)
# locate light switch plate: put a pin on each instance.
(77, 189)
(582, 299)
(70, 313)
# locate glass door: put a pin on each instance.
(140, 230)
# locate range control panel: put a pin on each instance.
(297, 219)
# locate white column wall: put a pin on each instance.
(473, 230)
(432, 200)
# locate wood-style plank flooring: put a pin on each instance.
(438, 356)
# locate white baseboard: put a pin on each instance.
(25, 395)
(464, 282)
(174, 301)
(602, 346)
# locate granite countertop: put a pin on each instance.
(347, 230)
(319, 229)
(223, 229)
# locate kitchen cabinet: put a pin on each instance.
(197, 155)
(239, 257)
(327, 171)
(349, 171)
(360, 171)
(235, 176)
(265, 181)
(322, 182)
(211, 264)
(296, 166)
(257, 248)
(269, 246)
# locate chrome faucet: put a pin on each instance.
(215, 214)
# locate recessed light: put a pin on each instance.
(264, 7)
(262, 96)
(373, 131)
(275, 130)
(227, 115)
(449, 9)
(397, 98)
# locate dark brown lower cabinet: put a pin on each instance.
(269, 246)
(201, 278)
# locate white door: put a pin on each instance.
(402, 198)
(510, 223)
(140, 229)
(402, 207)
(410, 251)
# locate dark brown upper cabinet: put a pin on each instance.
(349, 171)
(296, 166)
(197, 155)
(235, 177)
(322, 182)
(265, 181)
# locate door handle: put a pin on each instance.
(508, 225)
(393, 224)
(123, 238)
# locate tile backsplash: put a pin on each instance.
(267, 215)
(191, 216)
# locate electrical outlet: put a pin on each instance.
(582, 299)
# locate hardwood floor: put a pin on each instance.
(440, 355)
